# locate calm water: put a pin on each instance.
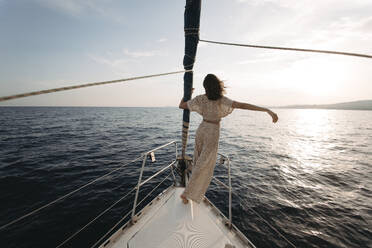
(309, 175)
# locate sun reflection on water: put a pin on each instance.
(312, 129)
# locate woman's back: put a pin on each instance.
(211, 110)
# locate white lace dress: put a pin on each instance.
(206, 143)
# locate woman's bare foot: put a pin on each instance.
(184, 199)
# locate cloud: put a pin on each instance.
(283, 3)
(140, 54)
(72, 7)
(110, 62)
(258, 60)
(127, 59)
(327, 25)
(143, 53)
(77, 8)
(350, 25)
(162, 40)
(126, 62)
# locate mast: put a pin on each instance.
(191, 27)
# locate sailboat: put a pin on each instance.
(165, 221)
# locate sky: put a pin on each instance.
(51, 43)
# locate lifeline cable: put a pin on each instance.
(34, 93)
(256, 213)
(289, 49)
(93, 220)
(66, 195)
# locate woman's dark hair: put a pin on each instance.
(214, 87)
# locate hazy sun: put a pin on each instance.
(321, 76)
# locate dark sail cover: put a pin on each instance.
(191, 25)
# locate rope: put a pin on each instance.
(34, 93)
(66, 195)
(291, 49)
(90, 222)
(127, 214)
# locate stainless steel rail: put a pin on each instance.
(228, 187)
(140, 183)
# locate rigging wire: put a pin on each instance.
(66, 195)
(289, 49)
(127, 214)
(73, 87)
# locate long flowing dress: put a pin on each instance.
(206, 143)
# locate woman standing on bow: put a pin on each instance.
(212, 106)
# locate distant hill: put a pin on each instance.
(356, 105)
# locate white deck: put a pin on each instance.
(167, 222)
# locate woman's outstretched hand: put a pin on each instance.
(273, 115)
(243, 105)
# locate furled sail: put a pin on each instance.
(191, 26)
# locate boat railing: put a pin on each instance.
(145, 156)
(151, 154)
(222, 160)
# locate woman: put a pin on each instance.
(212, 106)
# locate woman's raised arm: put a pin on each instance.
(247, 106)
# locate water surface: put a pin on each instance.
(309, 175)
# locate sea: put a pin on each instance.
(307, 177)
